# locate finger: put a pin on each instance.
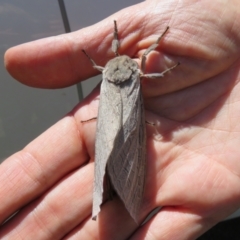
(173, 223)
(189, 102)
(59, 62)
(30, 172)
(113, 222)
(57, 212)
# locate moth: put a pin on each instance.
(120, 147)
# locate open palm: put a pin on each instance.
(193, 165)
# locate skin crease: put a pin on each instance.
(193, 167)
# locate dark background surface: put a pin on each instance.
(227, 230)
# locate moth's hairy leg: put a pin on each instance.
(99, 68)
(158, 75)
(88, 120)
(152, 47)
(156, 135)
(115, 42)
(144, 57)
(150, 123)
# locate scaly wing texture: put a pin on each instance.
(120, 139)
(126, 164)
(108, 126)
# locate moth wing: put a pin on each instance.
(108, 126)
(126, 165)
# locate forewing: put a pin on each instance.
(108, 126)
(126, 165)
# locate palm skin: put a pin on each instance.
(193, 165)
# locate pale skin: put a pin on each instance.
(193, 161)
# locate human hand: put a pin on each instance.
(192, 165)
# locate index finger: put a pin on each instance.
(59, 62)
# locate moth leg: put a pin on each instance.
(158, 75)
(115, 42)
(152, 47)
(157, 135)
(144, 57)
(99, 68)
(150, 123)
(88, 120)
